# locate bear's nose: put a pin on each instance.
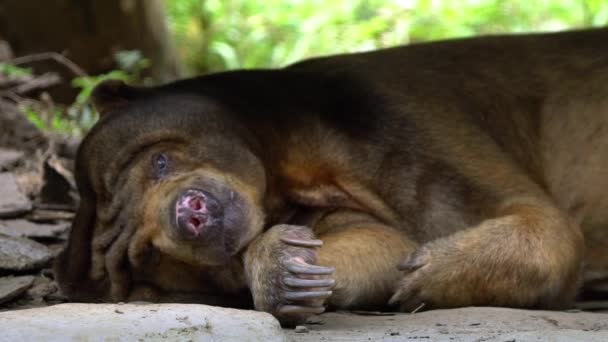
(196, 211)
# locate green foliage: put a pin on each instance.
(79, 116)
(52, 120)
(131, 64)
(34, 116)
(13, 71)
(217, 34)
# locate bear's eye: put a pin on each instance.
(160, 164)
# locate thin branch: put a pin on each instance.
(11, 96)
(41, 82)
(418, 308)
(57, 57)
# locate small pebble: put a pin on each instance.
(301, 329)
(314, 320)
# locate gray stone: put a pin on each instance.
(466, 324)
(20, 254)
(9, 157)
(138, 322)
(13, 287)
(12, 200)
(42, 287)
(301, 329)
(24, 228)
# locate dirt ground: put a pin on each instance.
(466, 324)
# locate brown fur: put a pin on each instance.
(478, 166)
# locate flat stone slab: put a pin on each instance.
(13, 287)
(20, 254)
(466, 324)
(25, 228)
(9, 157)
(12, 200)
(138, 322)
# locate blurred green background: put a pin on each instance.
(215, 35)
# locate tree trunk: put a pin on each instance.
(89, 32)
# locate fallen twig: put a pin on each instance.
(43, 81)
(418, 308)
(57, 57)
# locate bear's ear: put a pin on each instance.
(113, 94)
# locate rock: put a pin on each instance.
(12, 200)
(24, 228)
(29, 180)
(314, 320)
(13, 287)
(42, 292)
(56, 248)
(41, 288)
(300, 329)
(19, 254)
(18, 132)
(9, 157)
(466, 324)
(136, 322)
